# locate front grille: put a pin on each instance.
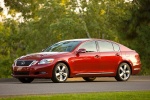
(21, 73)
(23, 62)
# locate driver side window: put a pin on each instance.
(89, 46)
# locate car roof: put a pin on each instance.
(86, 39)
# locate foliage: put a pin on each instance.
(48, 21)
(137, 31)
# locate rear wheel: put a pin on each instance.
(123, 73)
(60, 73)
(26, 80)
(89, 79)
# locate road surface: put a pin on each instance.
(12, 87)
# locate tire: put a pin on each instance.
(123, 72)
(60, 73)
(26, 80)
(89, 79)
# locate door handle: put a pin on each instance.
(117, 54)
(97, 56)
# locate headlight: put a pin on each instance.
(46, 61)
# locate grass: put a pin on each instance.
(136, 95)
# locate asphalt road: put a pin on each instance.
(11, 87)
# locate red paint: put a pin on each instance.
(80, 64)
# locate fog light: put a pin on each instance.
(42, 72)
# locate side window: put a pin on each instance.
(105, 46)
(89, 46)
(116, 47)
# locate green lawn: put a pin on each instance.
(138, 95)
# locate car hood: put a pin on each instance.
(41, 55)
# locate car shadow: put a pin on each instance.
(45, 82)
(72, 80)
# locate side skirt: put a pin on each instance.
(102, 73)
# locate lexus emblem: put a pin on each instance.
(22, 63)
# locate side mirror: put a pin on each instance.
(81, 51)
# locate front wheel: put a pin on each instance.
(26, 80)
(60, 73)
(89, 79)
(123, 73)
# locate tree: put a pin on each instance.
(48, 21)
(138, 28)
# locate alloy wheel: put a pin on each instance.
(60, 73)
(124, 72)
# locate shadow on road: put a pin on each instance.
(75, 80)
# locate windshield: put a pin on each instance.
(65, 46)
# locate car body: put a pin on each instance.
(87, 58)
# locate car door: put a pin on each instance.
(109, 57)
(86, 62)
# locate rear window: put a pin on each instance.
(105, 46)
(116, 47)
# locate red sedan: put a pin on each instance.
(87, 58)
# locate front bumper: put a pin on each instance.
(36, 71)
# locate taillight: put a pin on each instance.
(137, 57)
